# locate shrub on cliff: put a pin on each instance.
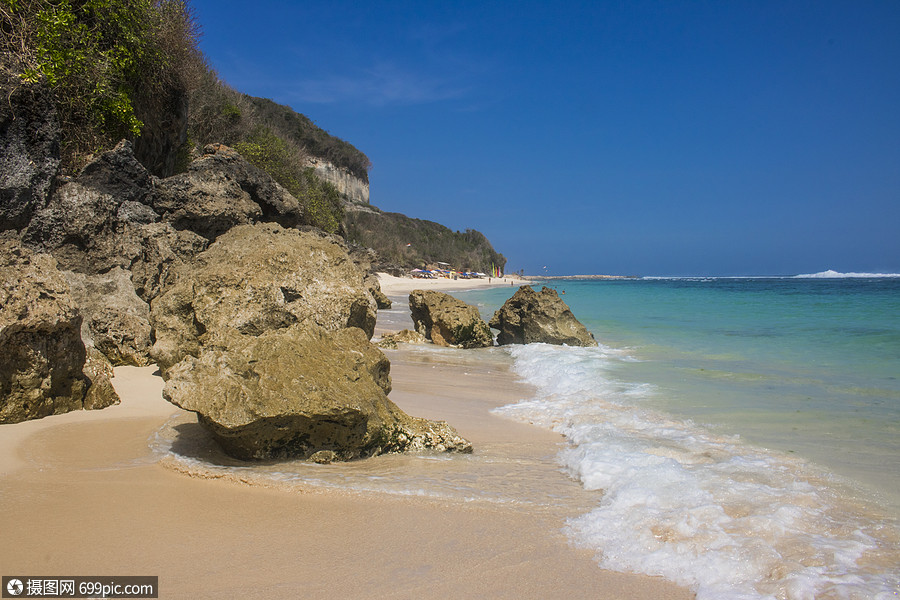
(111, 65)
(285, 163)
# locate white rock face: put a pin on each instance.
(353, 188)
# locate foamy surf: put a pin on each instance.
(706, 511)
(829, 274)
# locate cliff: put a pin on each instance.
(406, 243)
(351, 187)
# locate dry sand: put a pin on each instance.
(393, 286)
(83, 494)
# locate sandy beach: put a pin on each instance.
(84, 494)
(399, 286)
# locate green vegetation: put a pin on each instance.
(283, 161)
(429, 242)
(318, 142)
(108, 63)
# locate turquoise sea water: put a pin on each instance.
(743, 434)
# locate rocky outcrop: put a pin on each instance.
(257, 278)
(116, 321)
(103, 220)
(530, 317)
(447, 321)
(42, 358)
(301, 392)
(29, 150)
(265, 336)
(365, 258)
(374, 287)
(406, 336)
(99, 373)
(221, 190)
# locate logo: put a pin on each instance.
(14, 587)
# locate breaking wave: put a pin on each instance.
(836, 275)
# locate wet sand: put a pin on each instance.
(83, 494)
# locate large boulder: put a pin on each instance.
(301, 392)
(257, 278)
(448, 321)
(530, 317)
(116, 320)
(221, 190)
(42, 353)
(29, 150)
(40, 334)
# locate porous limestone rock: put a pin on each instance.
(116, 320)
(99, 372)
(448, 321)
(221, 190)
(530, 317)
(374, 287)
(257, 278)
(302, 392)
(406, 336)
(364, 259)
(29, 152)
(101, 220)
(42, 353)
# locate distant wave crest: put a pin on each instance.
(835, 275)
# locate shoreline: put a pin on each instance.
(84, 493)
(397, 286)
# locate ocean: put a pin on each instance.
(740, 437)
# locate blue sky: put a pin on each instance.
(650, 138)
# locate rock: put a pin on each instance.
(221, 190)
(164, 135)
(530, 317)
(364, 258)
(99, 372)
(157, 250)
(374, 287)
(102, 220)
(406, 336)
(89, 223)
(29, 151)
(447, 321)
(116, 321)
(40, 333)
(258, 278)
(301, 392)
(118, 174)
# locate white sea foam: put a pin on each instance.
(728, 520)
(836, 275)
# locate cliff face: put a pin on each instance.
(353, 188)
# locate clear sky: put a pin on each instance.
(715, 137)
